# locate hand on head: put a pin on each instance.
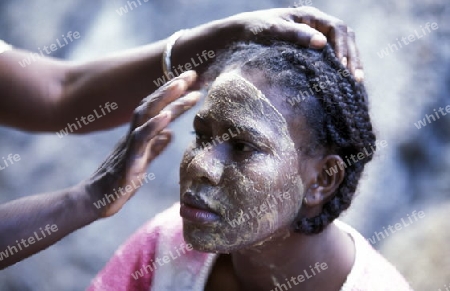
(305, 26)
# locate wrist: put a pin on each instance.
(226, 30)
(85, 196)
(213, 36)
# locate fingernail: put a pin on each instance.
(359, 75)
(162, 138)
(194, 96)
(175, 83)
(164, 114)
(344, 61)
(318, 40)
(189, 76)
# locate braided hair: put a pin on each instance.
(334, 105)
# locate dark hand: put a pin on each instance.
(306, 26)
(126, 167)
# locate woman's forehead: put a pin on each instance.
(234, 87)
(233, 100)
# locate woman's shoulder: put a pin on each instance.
(370, 266)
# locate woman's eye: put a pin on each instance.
(243, 147)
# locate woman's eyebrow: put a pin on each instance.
(254, 132)
(258, 134)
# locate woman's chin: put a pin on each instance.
(209, 242)
(211, 249)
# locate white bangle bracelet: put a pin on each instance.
(4, 47)
(166, 63)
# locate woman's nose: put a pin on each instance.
(207, 166)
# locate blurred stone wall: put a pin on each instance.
(411, 173)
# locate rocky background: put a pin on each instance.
(411, 173)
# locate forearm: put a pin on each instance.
(123, 79)
(48, 95)
(188, 52)
(31, 224)
(128, 77)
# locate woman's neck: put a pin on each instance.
(297, 261)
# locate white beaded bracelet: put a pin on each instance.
(4, 47)
(166, 63)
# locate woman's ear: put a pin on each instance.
(325, 177)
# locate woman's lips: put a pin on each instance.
(197, 215)
(196, 210)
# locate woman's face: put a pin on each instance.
(239, 181)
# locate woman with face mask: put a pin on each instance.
(281, 142)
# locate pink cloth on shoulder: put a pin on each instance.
(157, 258)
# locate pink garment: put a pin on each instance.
(157, 258)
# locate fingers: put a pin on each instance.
(338, 40)
(314, 18)
(183, 104)
(154, 103)
(340, 36)
(137, 164)
(175, 89)
(142, 140)
(148, 137)
(301, 34)
(354, 62)
(141, 136)
(158, 144)
(309, 27)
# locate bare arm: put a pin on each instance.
(48, 94)
(33, 223)
(107, 190)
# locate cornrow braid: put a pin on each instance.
(337, 113)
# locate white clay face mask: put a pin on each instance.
(257, 195)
